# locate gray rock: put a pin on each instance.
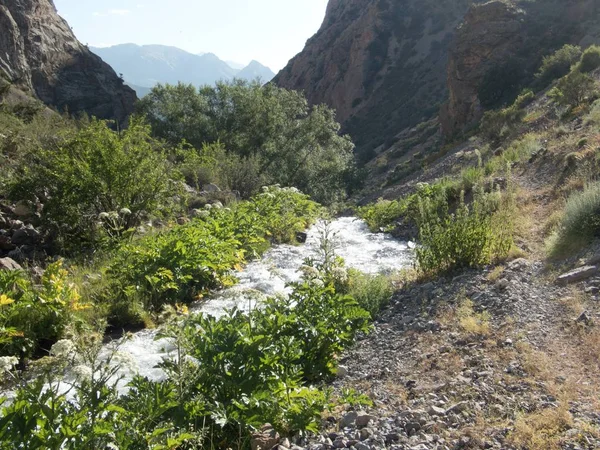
(584, 318)
(458, 408)
(9, 264)
(436, 411)
(361, 446)
(363, 419)
(22, 209)
(26, 236)
(210, 188)
(349, 419)
(579, 274)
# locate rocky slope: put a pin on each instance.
(499, 47)
(40, 55)
(380, 63)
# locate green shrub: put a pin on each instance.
(590, 60)
(382, 214)
(230, 376)
(93, 173)
(498, 124)
(372, 292)
(33, 317)
(187, 261)
(558, 64)
(473, 235)
(580, 220)
(574, 89)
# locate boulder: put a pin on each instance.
(26, 236)
(579, 274)
(9, 264)
(265, 439)
(210, 188)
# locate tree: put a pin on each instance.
(274, 130)
(94, 171)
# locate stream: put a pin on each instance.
(368, 252)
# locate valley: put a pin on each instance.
(394, 244)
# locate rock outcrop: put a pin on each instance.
(380, 63)
(499, 47)
(40, 55)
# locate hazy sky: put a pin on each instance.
(270, 31)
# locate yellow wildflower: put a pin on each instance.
(4, 300)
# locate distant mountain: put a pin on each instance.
(235, 65)
(144, 66)
(256, 70)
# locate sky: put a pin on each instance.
(269, 31)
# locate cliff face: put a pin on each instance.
(499, 47)
(380, 63)
(40, 54)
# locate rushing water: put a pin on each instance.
(361, 249)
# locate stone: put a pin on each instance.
(211, 188)
(579, 274)
(458, 408)
(341, 372)
(436, 411)
(182, 220)
(349, 419)
(9, 264)
(584, 318)
(6, 244)
(363, 419)
(361, 446)
(301, 237)
(265, 439)
(22, 209)
(26, 236)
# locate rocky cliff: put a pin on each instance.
(380, 63)
(499, 47)
(40, 54)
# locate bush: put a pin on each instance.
(497, 125)
(473, 235)
(382, 215)
(558, 64)
(580, 220)
(230, 376)
(92, 174)
(181, 264)
(590, 60)
(574, 89)
(372, 292)
(33, 317)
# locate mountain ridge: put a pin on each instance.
(146, 65)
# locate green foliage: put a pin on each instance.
(574, 89)
(580, 221)
(180, 264)
(590, 60)
(34, 316)
(473, 235)
(496, 125)
(230, 376)
(382, 214)
(271, 134)
(558, 64)
(95, 171)
(372, 292)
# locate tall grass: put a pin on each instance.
(580, 221)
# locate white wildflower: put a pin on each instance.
(7, 363)
(265, 188)
(309, 272)
(318, 282)
(125, 212)
(63, 349)
(125, 361)
(103, 216)
(217, 205)
(340, 274)
(203, 214)
(208, 206)
(82, 372)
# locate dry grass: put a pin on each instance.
(477, 324)
(542, 430)
(495, 274)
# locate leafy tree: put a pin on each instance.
(272, 129)
(590, 60)
(573, 89)
(558, 64)
(93, 174)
